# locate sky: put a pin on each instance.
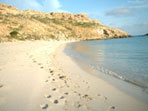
(128, 15)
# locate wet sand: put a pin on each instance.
(37, 75)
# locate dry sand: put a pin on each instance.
(37, 75)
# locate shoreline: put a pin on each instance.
(38, 76)
(128, 95)
(100, 68)
(127, 87)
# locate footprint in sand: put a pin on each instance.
(41, 67)
(56, 102)
(54, 89)
(34, 61)
(51, 71)
(98, 94)
(48, 96)
(66, 93)
(53, 79)
(67, 85)
(86, 96)
(75, 91)
(58, 74)
(44, 106)
(39, 64)
(1, 85)
(62, 77)
(111, 108)
(105, 98)
(62, 97)
(79, 94)
(77, 104)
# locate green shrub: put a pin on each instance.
(85, 24)
(73, 34)
(47, 20)
(56, 21)
(68, 28)
(13, 33)
(38, 18)
(52, 36)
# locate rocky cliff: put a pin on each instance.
(34, 25)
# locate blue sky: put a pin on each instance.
(128, 15)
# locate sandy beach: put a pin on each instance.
(38, 75)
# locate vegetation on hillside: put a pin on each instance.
(34, 25)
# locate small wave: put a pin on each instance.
(107, 71)
(118, 76)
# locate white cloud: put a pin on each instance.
(119, 12)
(125, 11)
(43, 5)
(138, 1)
(140, 6)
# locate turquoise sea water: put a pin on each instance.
(125, 58)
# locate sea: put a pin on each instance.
(125, 58)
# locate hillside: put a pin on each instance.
(34, 25)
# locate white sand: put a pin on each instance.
(35, 77)
(23, 80)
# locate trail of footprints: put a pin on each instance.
(77, 104)
(1, 85)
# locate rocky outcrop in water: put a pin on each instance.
(34, 25)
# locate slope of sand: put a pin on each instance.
(37, 75)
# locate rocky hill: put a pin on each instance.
(34, 25)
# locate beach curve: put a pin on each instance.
(38, 75)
